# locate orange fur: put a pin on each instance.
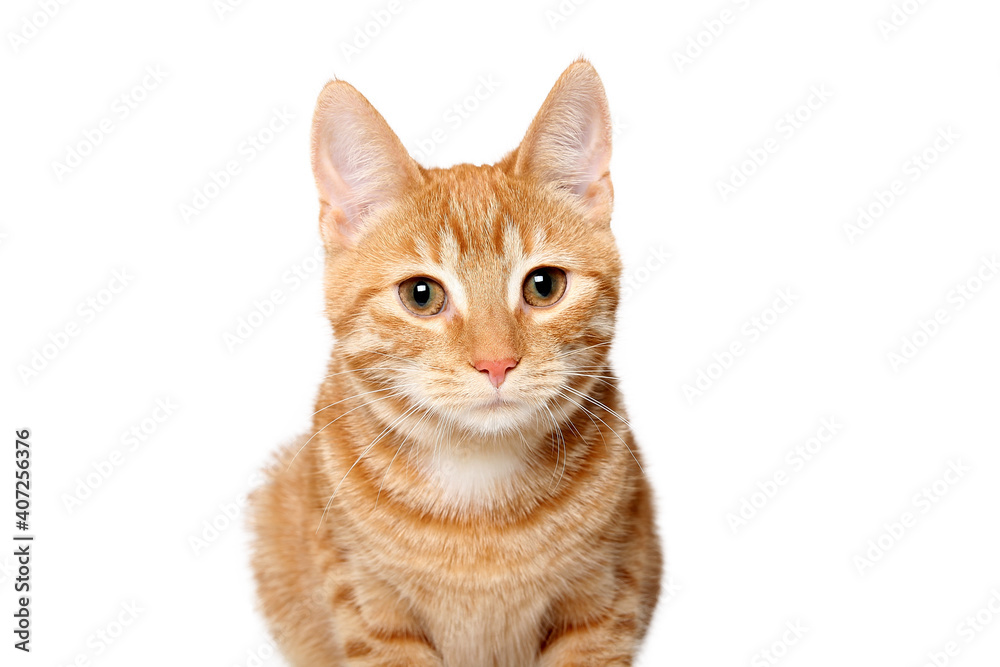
(431, 517)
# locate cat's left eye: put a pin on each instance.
(544, 286)
(422, 296)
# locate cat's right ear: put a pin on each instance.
(359, 163)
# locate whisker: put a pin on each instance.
(578, 434)
(604, 378)
(399, 449)
(587, 412)
(393, 356)
(599, 378)
(609, 427)
(382, 398)
(367, 368)
(580, 349)
(364, 393)
(356, 462)
(599, 404)
(563, 440)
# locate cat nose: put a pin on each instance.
(497, 369)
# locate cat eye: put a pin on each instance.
(544, 286)
(422, 296)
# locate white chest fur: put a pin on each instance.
(474, 476)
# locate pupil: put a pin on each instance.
(421, 294)
(543, 284)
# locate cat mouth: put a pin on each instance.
(497, 402)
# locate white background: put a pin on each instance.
(682, 128)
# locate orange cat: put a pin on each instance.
(471, 495)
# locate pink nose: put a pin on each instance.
(497, 369)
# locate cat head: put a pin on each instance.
(480, 296)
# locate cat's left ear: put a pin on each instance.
(568, 144)
(359, 163)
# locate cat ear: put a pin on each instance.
(568, 144)
(360, 165)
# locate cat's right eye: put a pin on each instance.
(422, 296)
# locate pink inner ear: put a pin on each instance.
(359, 163)
(569, 142)
(337, 194)
(596, 156)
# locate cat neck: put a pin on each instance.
(427, 463)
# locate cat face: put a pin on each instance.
(481, 296)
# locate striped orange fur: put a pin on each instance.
(470, 494)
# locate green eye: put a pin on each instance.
(422, 296)
(544, 286)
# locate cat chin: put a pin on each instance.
(495, 417)
(495, 404)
